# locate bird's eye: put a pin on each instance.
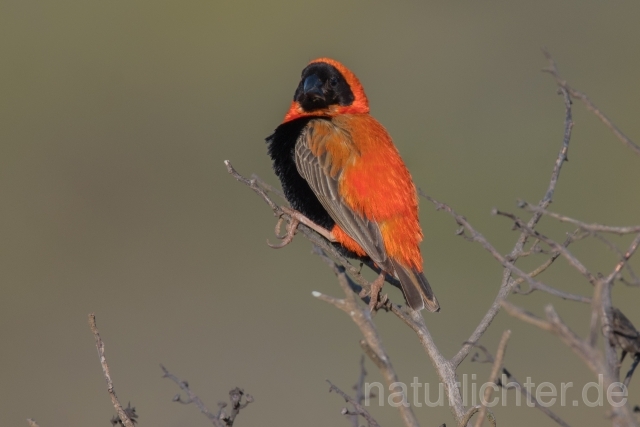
(333, 81)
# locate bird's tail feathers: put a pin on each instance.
(416, 288)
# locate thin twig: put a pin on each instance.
(509, 381)
(359, 388)
(589, 355)
(583, 225)
(237, 404)
(467, 416)
(497, 367)
(542, 267)
(107, 376)
(575, 262)
(361, 316)
(553, 70)
(360, 410)
(477, 237)
(525, 316)
(268, 187)
(192, 398)
(507, 282)
(531, 398)
(315, 238)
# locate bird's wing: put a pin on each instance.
(322, 151)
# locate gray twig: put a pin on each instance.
(497, 367)
(507, 282)
(512, 382)
(361, 316)
(359, 409)
(359, 388)
(583, 225)
(564, 86)
(191, 398)
(124, 418)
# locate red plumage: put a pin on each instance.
(349, 162)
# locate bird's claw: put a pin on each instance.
(277, 229)
(375, 301)
(292, 227)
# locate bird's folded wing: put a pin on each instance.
(323, 171)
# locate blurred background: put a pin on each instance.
(115, 119)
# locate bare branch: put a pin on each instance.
(541, 268)
(360, 410)
(589, 355)
(444, 368)
(237, 404)
(477, 237)
(507, 282)
(310, 234)
(497, 367)
(107, 376)
(359, 388)
(267, 187)
(511, 379)
(131, 413)
(525, 316)
(467, 416)
(504, 290)
(361, 316)
(192, 398)
(627, 255)
(552, 243)
(583, 225)
(553, 70)
(531, 398)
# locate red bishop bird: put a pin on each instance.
(344, 177)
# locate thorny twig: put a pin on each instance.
(131, 413)
(220, 419)
(124, 418)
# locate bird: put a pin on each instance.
(343, 177)
(624, 334)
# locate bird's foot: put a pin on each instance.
(375, 301)
(297, 218)
(294, 214)
(292, 227)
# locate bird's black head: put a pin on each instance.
(322, 86)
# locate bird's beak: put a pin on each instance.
(313, 87)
